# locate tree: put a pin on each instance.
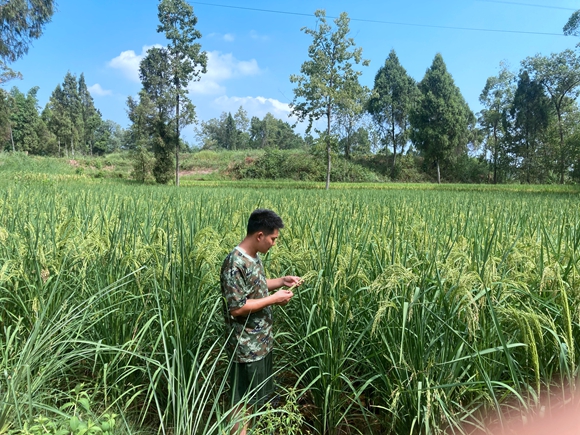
(156, 79)
(393, 96)
(559, 74)
(573, 25)
(326, 80)
(440, 121)
(71, 104)
(185, 61)
(21, 21)
(530, 113)
(5, 125)
(496, 98)
(91, 117)
(350, 115)
(24, 120)
(107, 137)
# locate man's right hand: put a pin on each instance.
(283, 297)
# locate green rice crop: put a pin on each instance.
(423, 310)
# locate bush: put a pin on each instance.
(300, 166)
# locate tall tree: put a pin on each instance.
(186, 61)
(350, 115)
(91, 117)
(21, 21)
(393, 96)
(25, 120)
(496, 98)
(71, 104)
(572, 27)
(440, 121)
(530, 113)
(271, 132)
(326, 80)
(559, 74)
(56, 117)
(156, 79)
(6, 107)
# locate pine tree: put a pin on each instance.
(440, 121)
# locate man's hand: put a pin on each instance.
(286, 281)
(291, 281)
(282, 297)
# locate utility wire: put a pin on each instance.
(271, 11)
(528, 4)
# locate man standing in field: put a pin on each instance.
(248, 310)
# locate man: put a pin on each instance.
(248, 309)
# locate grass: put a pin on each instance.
(424, 308)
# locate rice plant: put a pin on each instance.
(422, 312)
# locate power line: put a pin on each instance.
(528, 4)
(364, 20)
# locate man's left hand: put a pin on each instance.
(291, 281)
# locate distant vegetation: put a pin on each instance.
(424, 308)
(401, 130)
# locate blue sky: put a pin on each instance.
(252, 53)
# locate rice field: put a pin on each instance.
(424, 311)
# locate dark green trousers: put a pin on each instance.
(254, 378)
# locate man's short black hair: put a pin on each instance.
(264, 220)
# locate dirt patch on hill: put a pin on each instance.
(197, 172)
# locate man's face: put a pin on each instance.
(265, 242)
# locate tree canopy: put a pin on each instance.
(440, 122)
(394, 94)
(327, 80)
(21, 21)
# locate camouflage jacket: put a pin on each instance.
(242, 277)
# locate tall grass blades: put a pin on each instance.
(422, 311)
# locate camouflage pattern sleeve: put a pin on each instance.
(235, 290)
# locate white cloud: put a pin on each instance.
(222, 67)
(255, 35)
(255, 106)
(128, 62)
(229, 37)
(97, 90)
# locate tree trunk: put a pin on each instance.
(328, 166)
(72, 147)
(393, 138)
(495, 156)
(562, 151)
(12, 138)
(438, 173)
(177, 143)
(59, 148)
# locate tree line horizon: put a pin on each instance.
(526, 132)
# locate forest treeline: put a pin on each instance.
(528, 130)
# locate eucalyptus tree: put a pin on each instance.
(350, 116)
(496, 98)
(6, 104)
(440, 120)
(90, 115)
(25, 120)
(530, 113)
(185, 62)
(156, 80)
(572, 27)
(393, 97)
(327, 79)
(271, 132)
(64, 111)
(559, 74)
(21, 21)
